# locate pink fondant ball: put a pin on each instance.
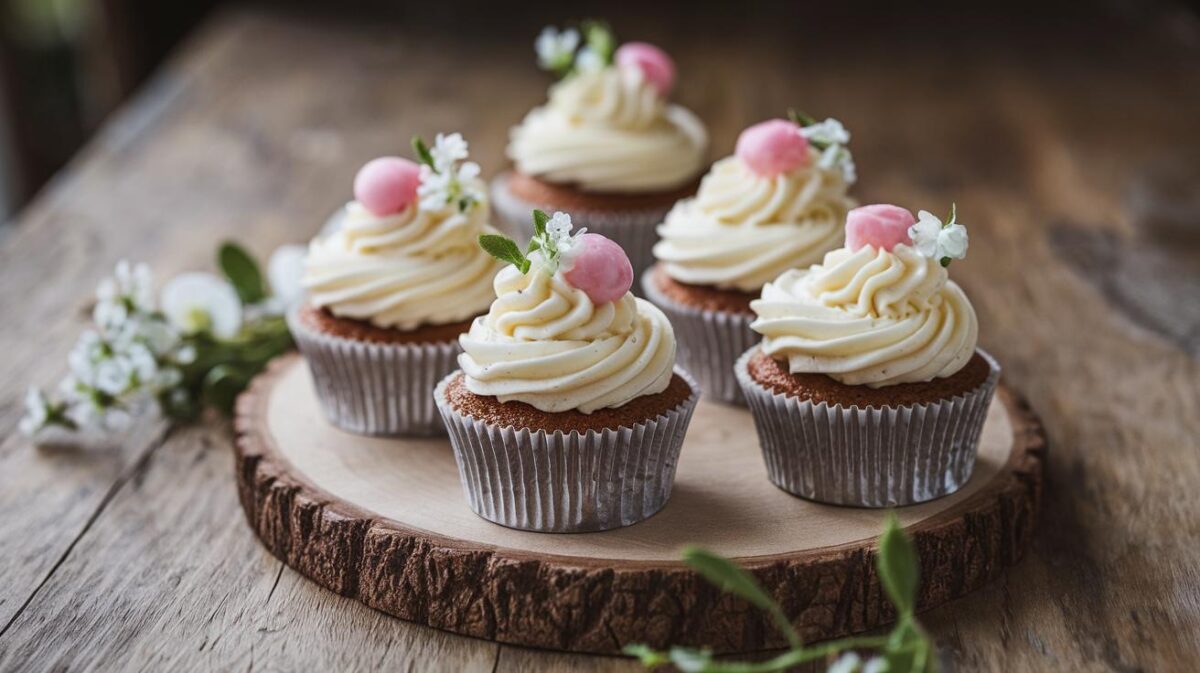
(772, 147)
(601, 269)
(882, 226)
(387, 185)
(656, 66)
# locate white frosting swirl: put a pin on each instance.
(742, 230)
(547, 344)
(414, 268)
(609, 130)
(869, 317)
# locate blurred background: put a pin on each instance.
(67, 64)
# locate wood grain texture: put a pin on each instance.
(1041, 124)
(598, 592)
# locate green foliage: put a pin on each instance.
(906, 649)
(423, 153)
(504, 249)
(242, 271)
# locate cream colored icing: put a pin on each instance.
(545, 343)
(869, 317)
(609, 130)
(417, 267)
(742, 230)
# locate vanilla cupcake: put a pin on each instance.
(392, 287)
(607, 146)
(868, 388)
(779, 203)
(568, 414)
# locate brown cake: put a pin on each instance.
(552, 196)
(702, 297)
(519, 415)
(818, 388)
(323, 321)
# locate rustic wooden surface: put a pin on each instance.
(1069, 143)
(384, 521)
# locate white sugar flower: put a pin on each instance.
(199, 302)
(937, 240)
(555, 49)
(559, 226)
(837, 156)
(285, 270)
(444, 183)
(560, 244)
(589, 61)
(448, 150)
(828, 132)
(37, 412)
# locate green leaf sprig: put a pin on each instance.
(423, 154)
(505, 249)
(906, 649)
(600, 39)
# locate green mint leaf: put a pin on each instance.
(242, 271)
(896, 562)
(799, 118)
(504, 249)
(649, 657)
(422, 151)
(725, 574)
(540, 218)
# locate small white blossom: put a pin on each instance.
(199, 302)
(285, 273)
(555, 49)
(37, 412)
(560, 244)
(449, 182)
(876, 665)
(849, 662)
(448, 150)
(828, 132)
(936, 240)
(589, 61)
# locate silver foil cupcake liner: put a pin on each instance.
(868, 457)
(636, 231)
(373, 388)
(552, 482)
(709, 342)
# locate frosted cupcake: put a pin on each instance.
(391, 289)
(778, 203)
(568, 414)
(868, 388)
(608, 146)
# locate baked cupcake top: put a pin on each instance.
(879, 311)
(778, 203)
(405, 254)
(564, 332)
(608, 126)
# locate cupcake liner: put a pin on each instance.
(709, 342)
(552, 482)
(868, 457)
(635, 230)
(373, 388)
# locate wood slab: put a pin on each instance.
(385, 521)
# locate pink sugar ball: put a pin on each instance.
(882, 226)
(772, 148)
(387, 185)
(656, 66)
(601, 269)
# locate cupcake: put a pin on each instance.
(777, 204)
(868, 388)
(568, 413)
(607, 146)
(393, 286)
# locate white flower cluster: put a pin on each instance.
(559, 244)
(850, 662)
(937, 240)
(832, 138)
(450, 179)
(556, 49)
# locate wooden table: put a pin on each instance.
(1071, 148)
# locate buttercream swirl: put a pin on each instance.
(417, 267)
(869, 317)
(742, 230)
(609, 130)
(545, 343)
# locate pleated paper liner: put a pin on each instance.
(709, 342)
(376, 388)
(555, 482)
(868, 457)
(635, 230)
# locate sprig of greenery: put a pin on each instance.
(599, 37)
(506, 250)
(906, 649)
(800, 118)
(423, 154)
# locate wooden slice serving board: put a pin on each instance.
(385, 521)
